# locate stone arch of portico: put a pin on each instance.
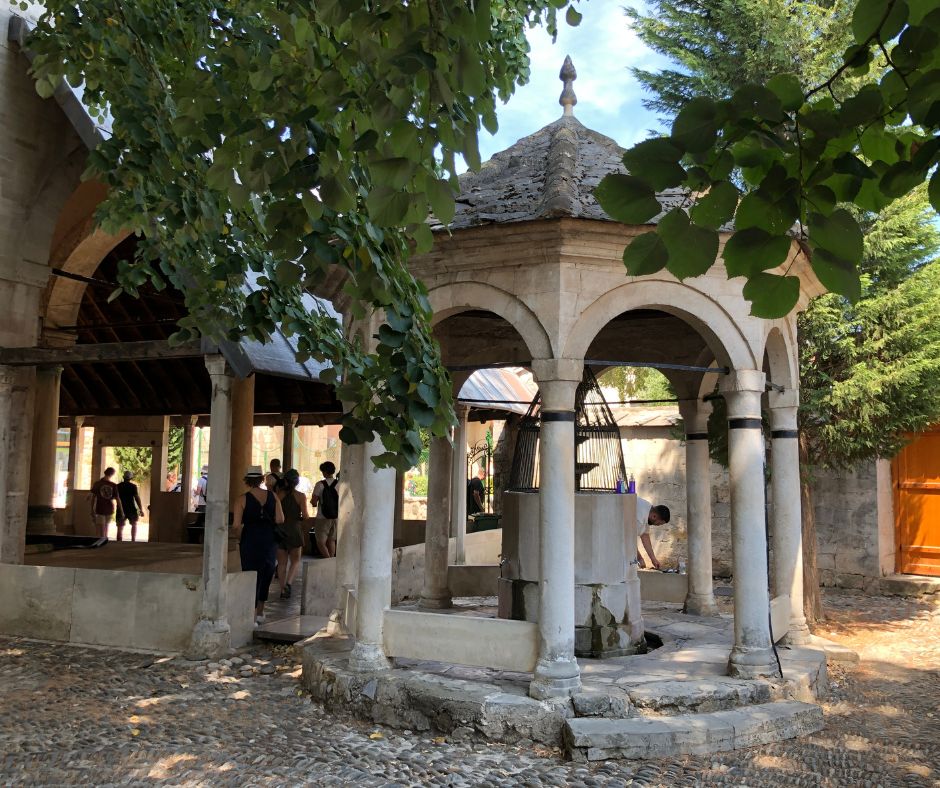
(65, 295)
(712, 322)
(782, 359)
(452, 299)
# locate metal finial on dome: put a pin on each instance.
(568, 75)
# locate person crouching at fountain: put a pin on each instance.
(647, 515)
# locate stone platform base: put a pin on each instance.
(675, 700)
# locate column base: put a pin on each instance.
(555, 680)
(436, 602)
(798, 634)
(752, 663)
(211, 638)
(40, 520)
(368, 658)
(700, 605)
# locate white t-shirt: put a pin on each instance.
(642, 516)
(318, 491)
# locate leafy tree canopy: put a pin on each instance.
(285, 139)
(779, 158)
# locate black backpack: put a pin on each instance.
(329, 501)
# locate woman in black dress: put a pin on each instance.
(256, 514)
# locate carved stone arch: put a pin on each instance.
(454, 298)
(65, 295)
(782, 357)
(699, 311)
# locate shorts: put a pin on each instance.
(324, 529)
(132, 519)
(102, 520)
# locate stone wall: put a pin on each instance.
(152, 611)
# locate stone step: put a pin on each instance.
(673, 697)
(597, 739)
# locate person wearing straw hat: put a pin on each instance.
(257, 513)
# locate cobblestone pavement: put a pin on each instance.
(100, 717)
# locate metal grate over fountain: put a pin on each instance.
(598, 451)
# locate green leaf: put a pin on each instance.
(772, 210)
(717, 207)
(838, 233)
(482, 18)
(387, 207)
(394, 172)
(692, 250)
(836, 274)
(441, 199)
(261, 80)
(655, 161)
(424, 239)
(696, 126)
(312, 206)
(787, 88)
(572, 17)
(772, 296)
(750, 251)
(627, 199)
(646, 254)
(872, 16)
(933, 190)
(337, 194)
(366, 140)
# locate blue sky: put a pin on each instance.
(603, 48)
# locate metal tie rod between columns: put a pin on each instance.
(593, 363)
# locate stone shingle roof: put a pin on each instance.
(549, 174)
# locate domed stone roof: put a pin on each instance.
(549, 174)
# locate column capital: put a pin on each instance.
(217, 365)
(547, 369)
(695, 415)
(78, 421)
(742, 390)
(784, 420)
(743, 380)
(7, 376)
(461, 411)
(788, 398)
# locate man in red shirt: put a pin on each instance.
(103, 497)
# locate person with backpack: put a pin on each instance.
(291, 536)
(326, 499)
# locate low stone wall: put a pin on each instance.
(482, 551)
(136, 610)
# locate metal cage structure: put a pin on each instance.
(598, 451)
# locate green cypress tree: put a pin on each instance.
(868, 369)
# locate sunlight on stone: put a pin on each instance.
(161, 769)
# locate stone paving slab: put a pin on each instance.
(593, 739)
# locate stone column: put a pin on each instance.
(11, 543)
(289, 421)
(243, 423)
(76, 448)
(375, 564)
(16, 424)
(436, 593)
(212, 633)
(752, 655)
(786, 512)
(458, 490)
(349, 539)
(700, 598)
(41, 515)
(556, 671)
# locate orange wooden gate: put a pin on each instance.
(916, 472)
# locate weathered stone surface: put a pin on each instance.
(681, 697)
(643, 737)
